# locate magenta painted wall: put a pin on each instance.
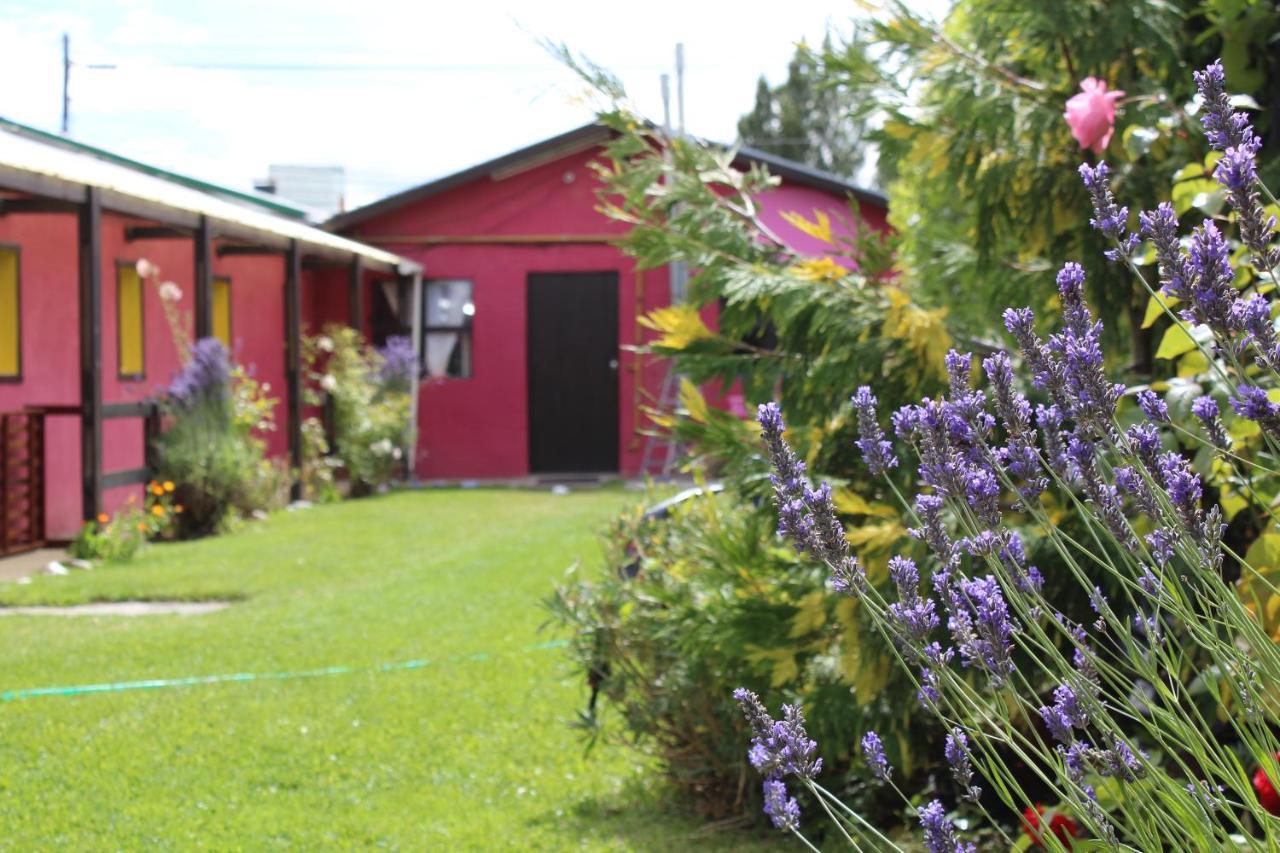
(50, 348)
(50, 343)
(805, 200)
(478, 427)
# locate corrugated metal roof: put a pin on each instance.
(36, 166)
(573, 140)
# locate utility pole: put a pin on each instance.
(680, 88)
(66, 84)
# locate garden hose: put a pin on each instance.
(193, 680)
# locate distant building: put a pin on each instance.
(529, 310)
(84, 345)
(320, 189)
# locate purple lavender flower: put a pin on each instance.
(1253, 403)
(1253, 315)
(1108, 217)
(956, 752)
(1238, 172)
(1105, 497)
(982, 492)
(929, 692)
(939, 834)
(807, 516)
(1047, 372)
(912, 616)
(1206, 410)
(932, 531)
(873, 752)
(1018, 457)
(1064, 715)
(877, 452)
(1119, 762)
(400, 368)
(1211, 290)
(958, 364)
(1223, 127)
(1144, 441)
(778, 747)
(1153, 407)
(1183, 487)
(1161, 227)
(1128, 480)
(205, 377)
(1089, 397)
(1161, 541)
(980, 624)
(784, 811)
(1049, 419)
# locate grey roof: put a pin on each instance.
(575, 140)
(51, 168)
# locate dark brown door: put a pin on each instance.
(573, 372)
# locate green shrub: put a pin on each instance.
(209, 448)
(111, 538)
(370, 414)
(690, 606)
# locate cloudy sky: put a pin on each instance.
(397, 92)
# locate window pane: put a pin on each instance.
(129, 320)
(10, 323)
(448, 303)
(222, 310)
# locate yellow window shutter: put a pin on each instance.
(222, 310)
(10, 322)
(129, 323)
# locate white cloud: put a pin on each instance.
(484, 86)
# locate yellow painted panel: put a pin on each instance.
(10, 323)
(129, 321)
(222, 310)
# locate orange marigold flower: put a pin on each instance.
(157, 510)
(177, 508)
(168, 486)
(142, 527)
(157, 490)
(103, 518)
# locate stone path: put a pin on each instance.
(122, 608)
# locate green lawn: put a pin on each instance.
(470, 751)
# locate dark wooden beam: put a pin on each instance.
(355, 294)
(131, 477)
(90, 251)
(293, 361)
(204, 279)
(224, 251)
(36, 205)
(155, 232)
(112, 411)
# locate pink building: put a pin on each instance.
(528, 308)
(83, 342)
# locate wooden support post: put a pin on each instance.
(415, 327)
(293, 361)
(90, 250)
(355, 295)
(204, 278)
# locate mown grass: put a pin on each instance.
(469, 751)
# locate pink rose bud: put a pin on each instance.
(1091, 114)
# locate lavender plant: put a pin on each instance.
(1163, 705)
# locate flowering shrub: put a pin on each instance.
(699, 601)
(1160, 727)
(209, 447)
(116, 538)
(368, 392)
